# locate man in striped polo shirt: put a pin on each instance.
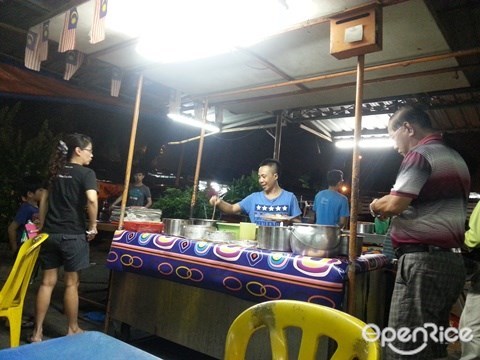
(428, 206)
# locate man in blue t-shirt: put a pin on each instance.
(331, 207)
(269, 207)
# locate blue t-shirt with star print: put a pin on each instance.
(256, 205)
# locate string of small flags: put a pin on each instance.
(36, 49)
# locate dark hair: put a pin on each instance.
(30, 184)
(413, 114)
(64, 151)
(138, 171)
(275, 164)
(334, 177)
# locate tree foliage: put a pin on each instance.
(242, 187)
(175, 204)
(20, 155)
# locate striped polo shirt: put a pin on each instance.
(437, 180)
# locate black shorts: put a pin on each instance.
(72, 251)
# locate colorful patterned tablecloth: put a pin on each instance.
(248, 273)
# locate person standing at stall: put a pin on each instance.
(428, 206)
(72, 188)
(138, 194)
(470, 318)
(265, 207)
(331, 207)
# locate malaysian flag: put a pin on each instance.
(32, 55)
(97, 33)
(116, 81)
(67, 38)
(73, 63)
(43, 43)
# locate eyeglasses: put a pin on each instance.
(89, 150)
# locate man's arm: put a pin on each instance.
(389, 205)
(92, 210)
(149, 202)
(148, 196)
(225, 206)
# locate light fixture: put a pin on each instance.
(164, 32)
(193, 122)
(370, 142)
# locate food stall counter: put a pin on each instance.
(190, 291)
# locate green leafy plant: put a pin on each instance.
(175, 203)
(242, 187)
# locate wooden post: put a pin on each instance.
(131, 149)
(351, 305)
(199, 160)
(180, 166)
(278, 138)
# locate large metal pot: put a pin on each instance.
(207, 222)
(175, 227)
(315, 240)
(345, 245)
(198, 232)
(274, 238)
(365, 227)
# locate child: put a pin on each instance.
(28, 211)
(138, 194)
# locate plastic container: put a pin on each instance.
(147, 227)
(248, 231)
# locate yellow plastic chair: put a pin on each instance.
(13, 291)
(314, 320)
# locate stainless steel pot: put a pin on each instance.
(274, 238)
(315, 240)
(198, 232)
(345, 242)
(175, 227)
(206, 222)
(365, 227)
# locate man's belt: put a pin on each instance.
(413, 248)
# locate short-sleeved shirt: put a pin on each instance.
(25, 213)
(437, 180)
(329, 207)
(138, 195)
(256, 205)
(67, 200)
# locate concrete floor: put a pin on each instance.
(93, 297)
